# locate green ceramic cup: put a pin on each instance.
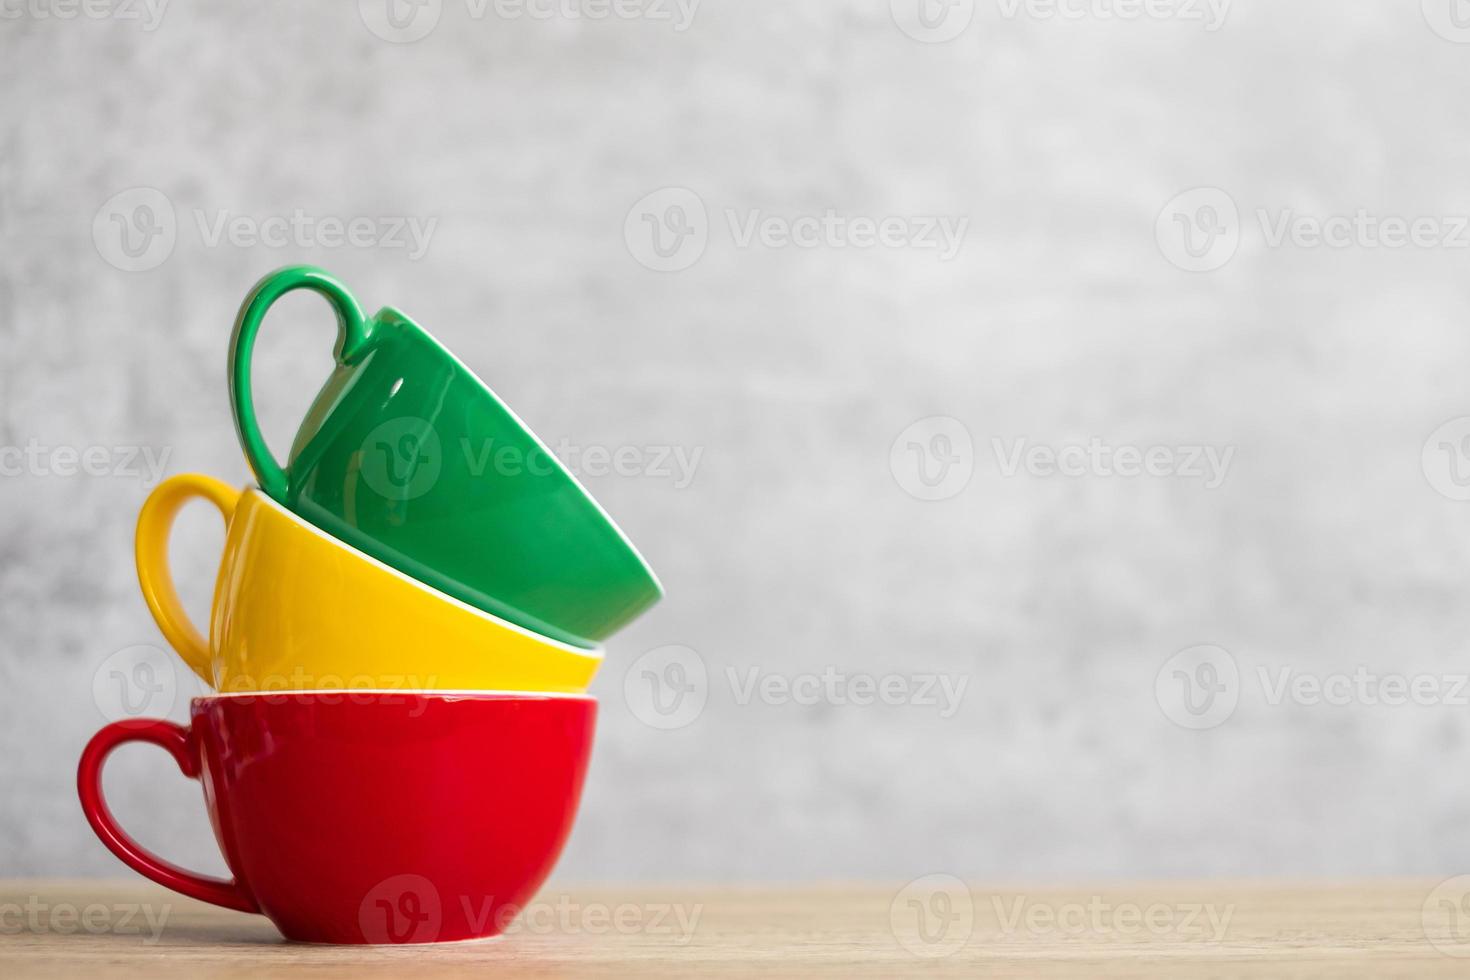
(408, 456)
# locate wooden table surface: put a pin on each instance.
(933, 926)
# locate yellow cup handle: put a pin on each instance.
(150, 549)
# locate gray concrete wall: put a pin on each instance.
(1084, 304)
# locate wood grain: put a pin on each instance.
(123, 929)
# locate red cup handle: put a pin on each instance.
(175, 738)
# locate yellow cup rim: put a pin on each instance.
(255, 493)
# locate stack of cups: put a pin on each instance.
(405, 622)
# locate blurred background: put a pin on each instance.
(1050, 420)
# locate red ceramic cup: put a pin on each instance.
(354, 817)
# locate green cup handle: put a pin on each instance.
(353, 331)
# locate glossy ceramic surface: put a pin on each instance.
(296, 609)
(409, 457)
(345, 818)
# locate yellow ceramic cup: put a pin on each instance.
(296, 609)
